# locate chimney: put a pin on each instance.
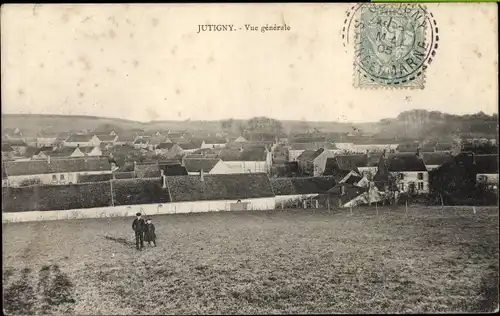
(48, 159)
(164, 179)
(202, 176)
(419, 153)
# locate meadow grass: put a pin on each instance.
(281, 261)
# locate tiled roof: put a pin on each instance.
(139, 191)
(219, 187)
(124, 175)
(191, 145)
(79, 138)
(486, 164)
(196, 165)
(61, 152)
(351, 162)
(311, 146)
(214, 140)
(444, 146)
(147, 170)
(309, 155)
(6, 147)
(94, 178)
(405, 162)
(299, 186)
(283, 186)
(174, 170)
(249, 154)
(167, 146)
(106, 138)
(309, 185)
(436, 158)
(32, 167)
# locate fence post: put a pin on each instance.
(376, 207)
(406, 208)
(282, 205)
(351, 209)
(474, 209)
(442, 204)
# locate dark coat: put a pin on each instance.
(149, 233)
(139, 225)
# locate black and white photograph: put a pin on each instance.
(239, 159)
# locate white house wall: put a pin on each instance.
(320, 163)
(131, 210)
(246, 166)
(293, 154)
(410, 177)
(46, 178)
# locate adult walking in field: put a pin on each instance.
(139, 226)
(149, 233)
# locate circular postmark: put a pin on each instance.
(393, 43)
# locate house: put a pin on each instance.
(433, 160)
(141, 143)
(147, 170)
(81, 140)
(126, 139)
(54, 171)
(220, 192)
(444, 147)
(293, 191)
(19, 147)
(46, 141)
(313, 162)
(64, 152)
(173, 170)
(157, 140)
(214, 142)
(190, 147)
(94, 151)
(487, 170)
(89, 178)
(372, 148)
(106, 138)
(42, 153)
(349, 195)
(409, 147)
(240, 139)
(251, 160)
(209, 166)
(296, 149)
(7, 151)
(406, 171)
(164, 148)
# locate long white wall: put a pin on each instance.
(145, 209)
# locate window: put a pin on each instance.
(62, 177)
(54, 178)
(420, 185)
(401, 176)
(420, 176)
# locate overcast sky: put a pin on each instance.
(146, 62)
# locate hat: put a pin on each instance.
(138, 214)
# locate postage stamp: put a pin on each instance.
(393, 44)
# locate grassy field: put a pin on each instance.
(293, 261)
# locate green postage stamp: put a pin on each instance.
(393, 44)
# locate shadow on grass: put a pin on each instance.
(122, 241)
(489, 294)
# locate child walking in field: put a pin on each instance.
(149, 233)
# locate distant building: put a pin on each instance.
(313, 163)
(209, 166)
(220, 192)
(250, 160)
(487, 170)
(81, 140)
(215, 142)
(407, 171)
(54, 171)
